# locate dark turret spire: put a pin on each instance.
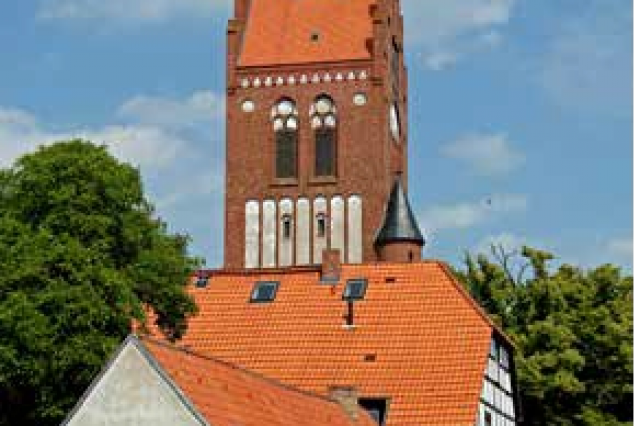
(400, 226)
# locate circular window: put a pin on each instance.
(248, 106)
(359, 99)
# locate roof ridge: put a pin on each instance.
(302, 269)
(252, 373)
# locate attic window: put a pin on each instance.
(202, 281)
(376, 407)
(264, 292)
(355, 290)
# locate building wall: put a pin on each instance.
(132, 393)
(368, 157)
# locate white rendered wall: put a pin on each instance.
(303, 229)
(319, 242)
(337, 225)
(285, 251)
(269, 226)
(355, 229)
(131, 392)
(252, 235)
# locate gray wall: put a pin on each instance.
(133, 393)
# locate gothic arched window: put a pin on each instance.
(324, 121)
(284, 115)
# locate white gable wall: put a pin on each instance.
(131, 392)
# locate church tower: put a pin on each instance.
(317, 134)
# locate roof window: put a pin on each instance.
(202, 281)
(377, 409)
(355, 290)
(264, 292)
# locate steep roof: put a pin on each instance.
(227, 395)
(418, 336)
(284, 32)
(400, 225)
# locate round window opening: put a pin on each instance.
(248, 106)
(360, 99)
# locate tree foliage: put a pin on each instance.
(81, 256)
(573, 331)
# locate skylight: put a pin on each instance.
(202, 281)
(264, 292)
(355, 290)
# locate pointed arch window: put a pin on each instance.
(284, 116)
(324, 120)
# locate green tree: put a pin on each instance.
(81, 257)
(573, 331)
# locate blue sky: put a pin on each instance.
(520, 113)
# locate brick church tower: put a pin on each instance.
(317, 134)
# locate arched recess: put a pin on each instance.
(324, 121)
(320, 228)
(269, 234)
(354, 224)
(303, 230)
(286, 233)
(284, 116)
(252, 235)
(337, 225)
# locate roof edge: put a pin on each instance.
(463, 291)
(235, 367)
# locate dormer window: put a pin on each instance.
(284, 117)
(324, 121)
(377, 409)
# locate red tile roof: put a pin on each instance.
(429, 339)
(229, 396)
(280, 32)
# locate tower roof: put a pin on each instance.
(400, 225)
(282, 32)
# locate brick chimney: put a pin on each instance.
(347, 397)
(331, 266)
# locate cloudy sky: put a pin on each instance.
(520, 112)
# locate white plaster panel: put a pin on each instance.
(303, 245)
(269, 234)
(319, 239)
(337, 225)
(131, 392)
(355, 229)
(285, 251)
(252, 235)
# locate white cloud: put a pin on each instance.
(129, 11)
(202, 107)
(485, 154)
(621, 248)
(469, 214)
(589, 65)
(446, 30)
(141, 145)
(153, 140)
(508, 241)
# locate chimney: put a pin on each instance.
(347, 397)
(241, 9)
(331, 266)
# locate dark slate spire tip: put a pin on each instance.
(400, 225)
